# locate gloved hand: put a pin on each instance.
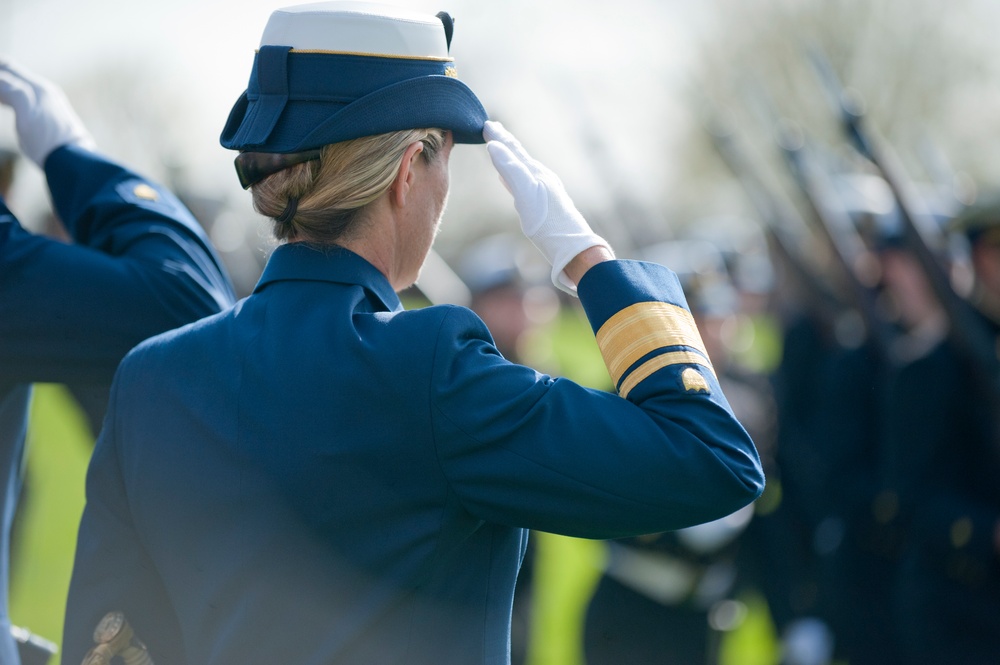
(548, 217)
(44, 118)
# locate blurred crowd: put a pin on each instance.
(858, 347)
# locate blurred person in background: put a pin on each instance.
(942, 452)
(827, 390)
(137, 264)
(873, 391)
(504, 293)
(903, 483)
(318, 463)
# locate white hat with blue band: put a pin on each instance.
(334, 71)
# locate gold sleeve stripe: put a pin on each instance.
(659, 362)
(642, 328)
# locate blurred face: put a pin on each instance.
(907, 286)
(986, 263)
(503, 311)
(986, 266)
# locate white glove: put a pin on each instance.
(44, 118)
(548, 217)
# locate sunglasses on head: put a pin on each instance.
(252, 167)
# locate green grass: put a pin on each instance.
(59, 445)
(565, 575)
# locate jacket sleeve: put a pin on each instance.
(112, 570)
(666, 452)
(139, 264)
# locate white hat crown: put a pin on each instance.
(357, 27)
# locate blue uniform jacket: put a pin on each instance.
(317, 476)
(139, 264)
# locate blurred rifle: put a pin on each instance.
(968, 331)
(831, 218)
(777, 219)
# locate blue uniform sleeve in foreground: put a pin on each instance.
(139, 265)
(528, 450)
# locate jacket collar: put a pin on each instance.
(301, 262)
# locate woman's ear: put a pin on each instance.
(406, 175)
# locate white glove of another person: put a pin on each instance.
(45, 120)
(548, 217)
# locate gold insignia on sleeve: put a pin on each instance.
(144, 191)
(643, 328)
(451, 72)
(694, 382)
(665, 360)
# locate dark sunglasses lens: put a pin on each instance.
(252, 167)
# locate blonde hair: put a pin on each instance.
(329, 196)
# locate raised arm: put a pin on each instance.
(139, 263)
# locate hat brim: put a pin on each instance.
(441, 102)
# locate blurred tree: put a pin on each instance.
(927, 72)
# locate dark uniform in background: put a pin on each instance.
(904, 504)
(139, 264)
(825, 393)
(947, 456)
